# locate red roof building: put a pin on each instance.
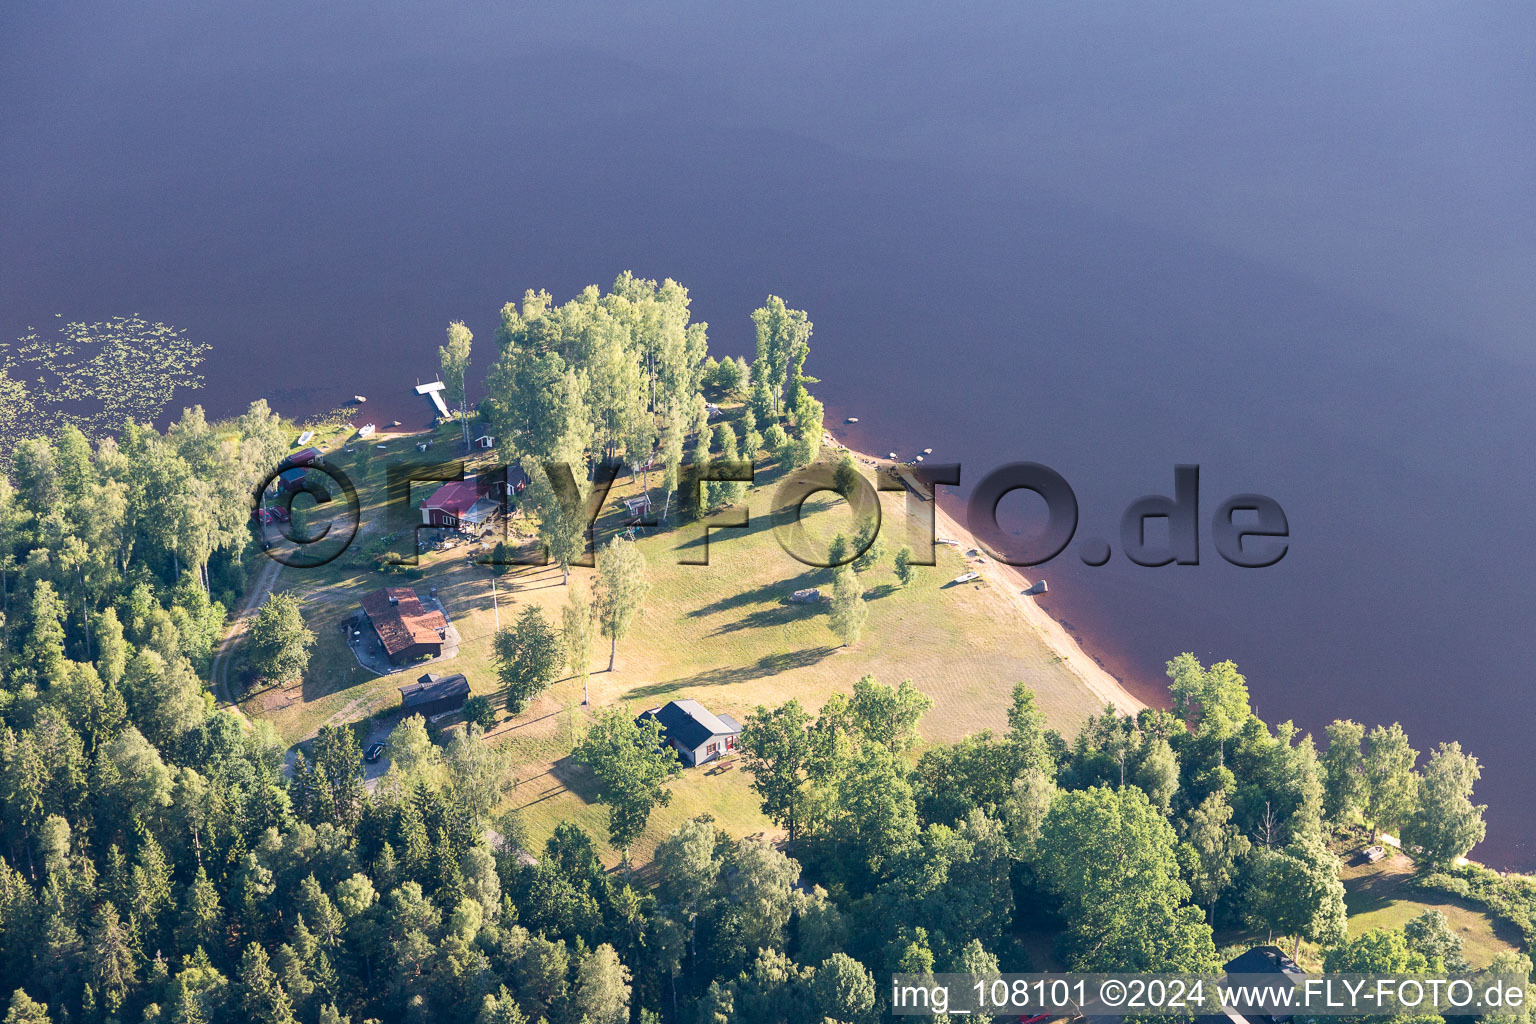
(449, 503)
(405, 628)
(459, 503)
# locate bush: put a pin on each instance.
(481, 711)
(1510, 897)
(1439, 881)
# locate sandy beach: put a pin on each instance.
(1008, 584)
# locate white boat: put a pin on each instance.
(966, 577)
(366, 430)
(306, 437)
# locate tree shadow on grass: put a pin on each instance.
(564, 776)
(777, 590)
(768, 665)
(776, 615)
(1368, 893)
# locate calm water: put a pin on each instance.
(1297, 251)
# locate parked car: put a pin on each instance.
(375, 752)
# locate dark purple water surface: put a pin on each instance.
(1295, 247)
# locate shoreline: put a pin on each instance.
(1095, 678)
(1008, 583)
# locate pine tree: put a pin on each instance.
(26, 1010)
(150, 886)
(112, 958)
(602, 989)
(202, 915)
(261, 996)
(187, 1008)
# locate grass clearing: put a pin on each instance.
(721, 633)
(1381, 895)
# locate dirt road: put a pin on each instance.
(266, 579)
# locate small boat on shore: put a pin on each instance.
(366, 430)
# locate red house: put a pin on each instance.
(406, 630)
(458, 503)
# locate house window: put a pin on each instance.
(711, 750)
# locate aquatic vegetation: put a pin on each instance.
(94, 376)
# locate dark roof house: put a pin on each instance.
(433, 694)
(1269, 969)
(689, 728)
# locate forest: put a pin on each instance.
(165, 861)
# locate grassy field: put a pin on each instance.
(721, 633)
(1380, 896)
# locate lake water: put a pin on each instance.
(1295, 248)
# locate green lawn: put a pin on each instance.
(1380, 896)
(721, 633)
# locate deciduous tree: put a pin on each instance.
(1212, 849)
(578, 630)
(622, 586)
(1446, 824)
(453, 359)
(1215, 698)
(849, 613)
(1344, 789)
(632, 767)
(1110, 857)
(279, 641)
(1391, 788)
(776, 748)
